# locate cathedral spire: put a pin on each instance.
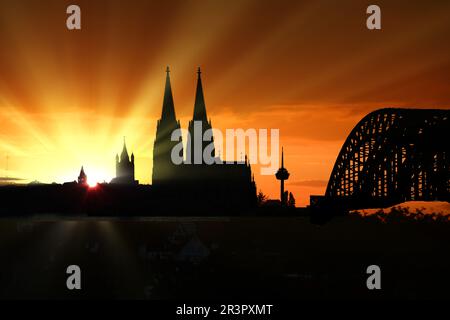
(163, 166)
(199, 106)
(168, 109)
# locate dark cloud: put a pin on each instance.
(10, 179)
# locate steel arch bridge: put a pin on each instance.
(393, 156)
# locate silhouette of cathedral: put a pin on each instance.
(233, 180)
(124, 167)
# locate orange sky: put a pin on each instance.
(309, 68)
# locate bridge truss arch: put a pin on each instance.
(392, 156)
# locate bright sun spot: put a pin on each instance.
(92, 184)
(95, 177)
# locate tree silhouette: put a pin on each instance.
(261, 198)
(291, 200)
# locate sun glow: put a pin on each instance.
(95, 177)
(67, 98)
(92, 184)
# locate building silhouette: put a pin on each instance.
(164, 170)
(124, 167)
(207, 182)
(82, 178)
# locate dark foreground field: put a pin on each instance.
(224, 258)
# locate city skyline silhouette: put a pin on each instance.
(416, 170)
(69, 97)
(210, 152)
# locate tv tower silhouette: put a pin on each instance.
(282, 175)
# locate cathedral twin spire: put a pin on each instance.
(168, 109)
(163, 166)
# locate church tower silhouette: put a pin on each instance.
(164, 170)
(82, 178)
(124, 167)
